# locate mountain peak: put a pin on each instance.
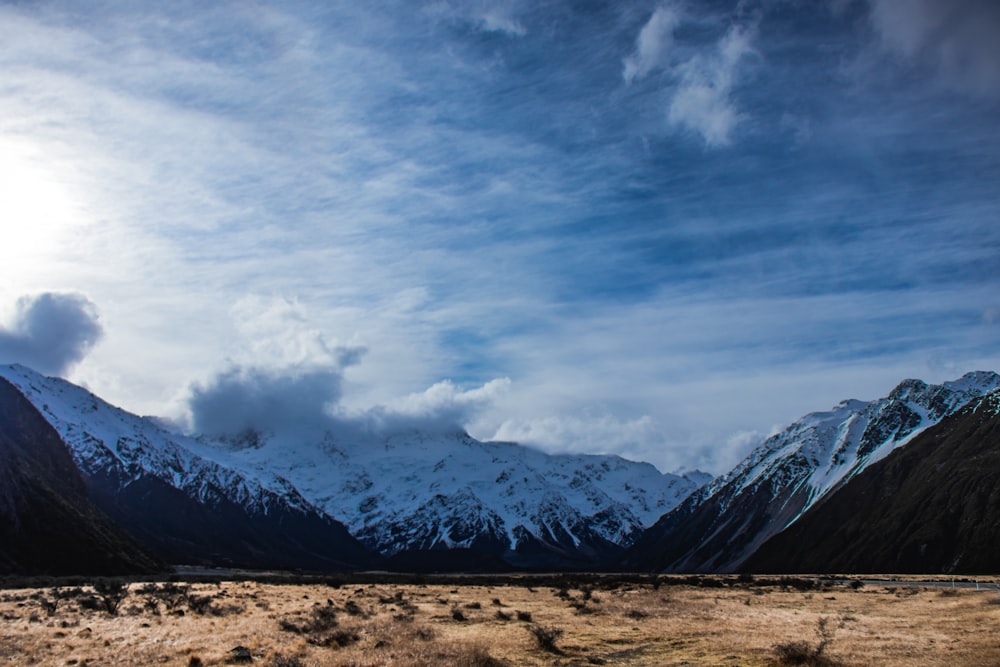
(721, 525)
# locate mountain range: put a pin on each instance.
(134, 494)
(321, 501)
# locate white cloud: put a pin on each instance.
(444, 397)
(276, 332)
(495, 20)
(652, 47)
(703, 99)
(588, 433)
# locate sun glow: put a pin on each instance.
(37, 206)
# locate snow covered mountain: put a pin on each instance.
(420, 491)
(405, 493)
(723, 523)
(928, 507)
(44, 506)
(180, 505)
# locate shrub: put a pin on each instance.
(320, 619)
(282, 660)
(524, 616)
(794, 653)
(546, 637)
(112, 593)
(340, 638)
(476, 657)
(199, 603)
(802, 653)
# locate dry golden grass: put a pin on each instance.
(476, 625)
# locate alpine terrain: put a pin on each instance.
(425, 500)
(718, 527)
(931, 506)
(47, 522)
(179, 505)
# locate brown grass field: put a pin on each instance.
(483, 623)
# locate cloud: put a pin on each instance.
(495, 21)
(50, 332)
(652, 45)
(286, 375)
(441, 407)
(276, 332)
(587, 433)
(265, 401)
(703, 100)
(489, 16)
(307, 402)
(958, 38)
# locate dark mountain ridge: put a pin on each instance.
(48, 524)
(81, 490)
(931, 506)
(722, 524)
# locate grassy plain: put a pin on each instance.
(488, 622)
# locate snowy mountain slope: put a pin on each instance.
(44, 505)
(448, 490)
(406, 492)
(182, 505)
(718, 527)
(928, 507)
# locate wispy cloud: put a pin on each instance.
(703, 100)
(699, 81)
(653, 44)
(957, 38)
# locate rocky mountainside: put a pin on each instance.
(717, 528)
(278, 499)
(183, 507)
(48, 525)
(932, 506)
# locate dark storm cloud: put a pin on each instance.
(50, 332)
(307, 401)
(265, 401)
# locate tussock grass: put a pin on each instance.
(627, 622)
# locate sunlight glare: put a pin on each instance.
(37, 208)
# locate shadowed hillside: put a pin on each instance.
(932, 506)
(47, 523)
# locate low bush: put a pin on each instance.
(546, 637)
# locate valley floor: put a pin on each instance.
(584, 622)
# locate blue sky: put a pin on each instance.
(658, 229)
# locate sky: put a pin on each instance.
(655, 229)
